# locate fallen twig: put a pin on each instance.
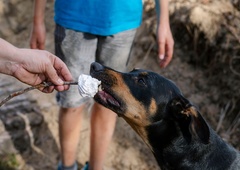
(42, 85)
(222, 116)
(30, 133)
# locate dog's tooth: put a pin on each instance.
(100, 88)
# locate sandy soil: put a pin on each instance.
(127, 151)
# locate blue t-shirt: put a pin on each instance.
(100, 17)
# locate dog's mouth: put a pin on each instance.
(107, 98)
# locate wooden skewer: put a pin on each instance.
(42, 85)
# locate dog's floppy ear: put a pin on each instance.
(190, 120)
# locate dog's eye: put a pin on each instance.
(141, 81)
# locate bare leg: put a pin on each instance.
(103, 123)
(69, 132)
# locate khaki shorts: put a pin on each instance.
(78, 50)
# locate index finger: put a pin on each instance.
(161, 50)
(168, 56)
(62, 69)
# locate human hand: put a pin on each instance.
(36, 66)
(165, 44)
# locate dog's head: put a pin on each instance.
(144, 98)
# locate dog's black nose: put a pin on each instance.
(96, 67)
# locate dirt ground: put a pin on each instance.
(127, 151)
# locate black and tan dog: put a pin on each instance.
(168, 123)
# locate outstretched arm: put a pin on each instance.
(33, 66)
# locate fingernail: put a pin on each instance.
(60, 81)
(161, 57)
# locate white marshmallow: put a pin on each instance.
(87, 86)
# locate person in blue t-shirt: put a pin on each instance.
(88, 31)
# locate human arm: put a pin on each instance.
(164, 34)
(38, 33)
(33, 66)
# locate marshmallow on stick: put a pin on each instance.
(87, 86)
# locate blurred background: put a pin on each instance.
(205, 65)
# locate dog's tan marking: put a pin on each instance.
(141, 131)
(190, 111)
(136, 114)
(144, 73)
(153, 107)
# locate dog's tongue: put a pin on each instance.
(107, 98)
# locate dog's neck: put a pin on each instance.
(141, 131)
